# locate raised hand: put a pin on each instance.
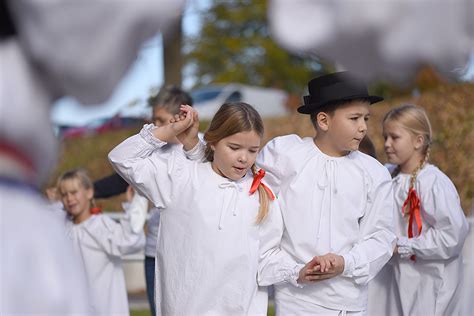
(189, 137)
(180, 123)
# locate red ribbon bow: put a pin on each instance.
(414, 213)
(257, 180)
(96, 210)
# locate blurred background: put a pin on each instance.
(236, 50)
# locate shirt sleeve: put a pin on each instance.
(137, 208)
(275, 265)
(116, 239)
(153, 174)
(375, 246)
(196, 153)
(447, 228)
(268, 160)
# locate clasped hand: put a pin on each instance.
(321, 268)
(183, 126)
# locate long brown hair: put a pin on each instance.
(230, 119)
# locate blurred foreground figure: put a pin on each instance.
(49, 49)
(386, 40)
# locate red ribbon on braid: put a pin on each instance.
(414, 214)
(257, 180)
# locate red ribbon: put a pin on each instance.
(12, 151)
(414, 213)
(257, 180)
(96, 210)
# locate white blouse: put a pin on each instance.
(430, 285)
(342, 205)
(101, 243)
(208, 243)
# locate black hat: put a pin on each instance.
(339, 86)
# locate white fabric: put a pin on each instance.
(101, 242)
(208, 241)
(341, 205)
(78, 49)
(152, 232)
(432, 284)
(289, 306)
(137, 209)
(24, 115)
(39, 271)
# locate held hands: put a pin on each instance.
(321, 268)
(189, 137)
(180, 127)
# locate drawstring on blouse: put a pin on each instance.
(236, 188)
(328, 181)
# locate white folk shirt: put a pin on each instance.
(102, 242)
(208, 241)
(39, 271)
(342, 205)
(432, 284)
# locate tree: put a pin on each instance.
(172, 57)
(234, 45)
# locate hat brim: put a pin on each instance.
(312, 107)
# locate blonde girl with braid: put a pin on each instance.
(219, 221)
(429, 222)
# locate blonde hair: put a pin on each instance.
(230, 119)
(415, 120)
(79, 174)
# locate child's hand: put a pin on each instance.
(180, 123)
(189, 137)
(129, 194)
(322, 268)
(52, 194)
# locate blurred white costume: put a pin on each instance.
(54, 48)
(101, 243)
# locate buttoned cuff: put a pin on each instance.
(405, 247)
(147, 135)
(349, 263)
(294, 274)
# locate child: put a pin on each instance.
(211, 223)
(430, 224)
(164, 105)
(335, 202)
(101, 242)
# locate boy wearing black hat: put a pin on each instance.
(336, 204)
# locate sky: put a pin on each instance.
(146, 73)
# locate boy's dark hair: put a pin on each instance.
(170, 98)
(331, 107)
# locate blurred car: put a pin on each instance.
(267, 101)
(94, 127)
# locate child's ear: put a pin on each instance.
(419, 141)
(322, 120)
(90, 194)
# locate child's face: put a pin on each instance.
(401, 146)
(76, 199)
(235, 154)
(347, 127)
